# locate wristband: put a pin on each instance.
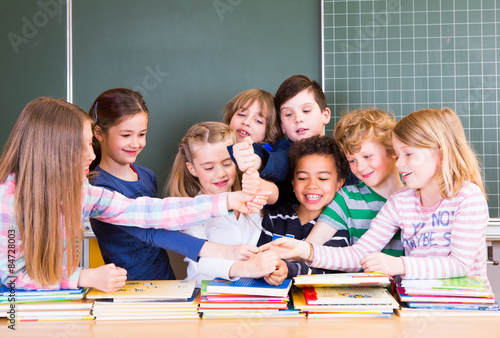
(310, 252)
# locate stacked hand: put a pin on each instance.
(257, 189)
(247, 204)
(278, 275)
(257, 266)
(244, 154)
(241, 252)
(250, 182)
(380, 262)
(288, 248)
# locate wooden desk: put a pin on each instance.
(422, 327)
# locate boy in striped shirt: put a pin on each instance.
(365, 137)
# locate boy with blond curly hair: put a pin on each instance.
(365, 135)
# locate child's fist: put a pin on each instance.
(250, 182)
(244, 155)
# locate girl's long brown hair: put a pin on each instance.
(45, 153)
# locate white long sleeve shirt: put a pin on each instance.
(225, 230)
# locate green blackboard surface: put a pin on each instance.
(190, 57)
(404, 55)
(33, 56)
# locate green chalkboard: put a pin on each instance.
(187, 57)
(404, 55)
(33, 56)
(190, 57)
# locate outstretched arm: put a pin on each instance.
(343, 259)
(176, 241)
(259, 265)
(173, 213)
(321, 233)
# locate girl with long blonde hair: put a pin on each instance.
(442, 211)
(203, 166)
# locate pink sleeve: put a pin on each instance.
(173, 213)
(382, 229)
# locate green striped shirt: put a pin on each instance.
(353, 209)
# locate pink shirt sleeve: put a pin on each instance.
(382, 229)
(172, 213)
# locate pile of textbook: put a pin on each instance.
(44, 305)
(344, 295)
(461, 296)
(144, 300)
(245, 297)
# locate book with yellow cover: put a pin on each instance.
(148, 290)
(300, 303)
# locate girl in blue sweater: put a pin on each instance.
(121, 124)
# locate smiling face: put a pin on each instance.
(301, 116)
(213, 167)
(315, 184)
(418, 167)
(88, 150)
(249, 121)
(121, 144)
(371, 164)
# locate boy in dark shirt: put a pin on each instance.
(318, 168)
(302, 112)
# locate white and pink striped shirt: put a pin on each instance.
(444, 241)
(174, 213)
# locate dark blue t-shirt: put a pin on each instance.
(284, 222)
(140, 251)
(275, 169)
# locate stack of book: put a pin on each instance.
(462, 297)
(246, 297)
(344, 295)
(44, 305)
(144, 300)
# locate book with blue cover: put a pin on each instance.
(7, 295)
(249, 286)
